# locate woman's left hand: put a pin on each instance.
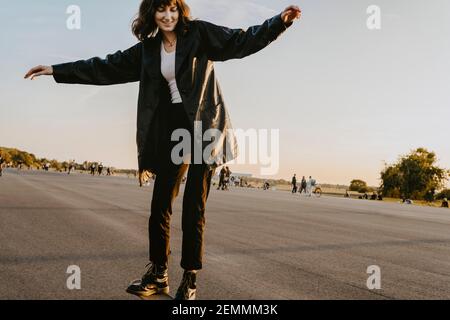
(290, 14)
(144, 177)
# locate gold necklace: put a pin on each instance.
(170, 44)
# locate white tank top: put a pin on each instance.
(168, 72)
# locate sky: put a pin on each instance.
(345, 99)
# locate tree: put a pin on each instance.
(414, 176)
(391, 182)
(55, 165)
(6, 156)
(16, 156)
(358, 185)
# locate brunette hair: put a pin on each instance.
(145, 26)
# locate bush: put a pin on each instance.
(443, 194)
(363, 190)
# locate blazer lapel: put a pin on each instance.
(184, 46)
(152, 57)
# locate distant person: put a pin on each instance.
(227, 180)
(108, 171)
(266, 185)
(232, 181)
(444, 203)
(373, 196)
(408, 201)
(71, 167)
(380, 197)
(100, 169)
(294, 184)
(309, 186)
(303, 185)
(346, 194)
(366, 196)
(221, 178)
(93, 169)
(1, 165)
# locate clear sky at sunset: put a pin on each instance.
(345, 98)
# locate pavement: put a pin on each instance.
(259, 244)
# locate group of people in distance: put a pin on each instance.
(98, 168)
(306, 186)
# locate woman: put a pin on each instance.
(178, 90)
(1, 165)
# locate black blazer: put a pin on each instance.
(196, 50)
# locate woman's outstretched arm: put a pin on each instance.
(120, 67)
(223, 43)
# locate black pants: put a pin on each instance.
(166, 189)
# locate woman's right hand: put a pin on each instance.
(39, 71)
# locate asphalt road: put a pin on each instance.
(259, 244)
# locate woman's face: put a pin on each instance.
(166, 17)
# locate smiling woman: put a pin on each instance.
(174, 63)
(152, 14)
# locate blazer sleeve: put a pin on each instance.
(117, 68)
(222, 43)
